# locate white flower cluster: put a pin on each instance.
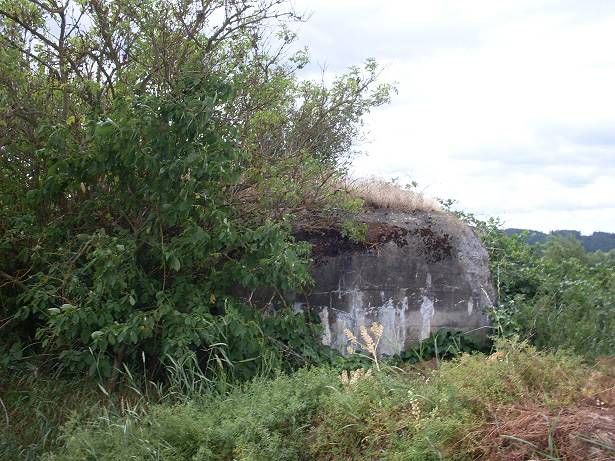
(348, 378)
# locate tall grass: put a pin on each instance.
(33, 409)
(35, 406)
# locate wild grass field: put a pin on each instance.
(514, 404)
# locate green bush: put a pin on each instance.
(554, 294)
(33, 409)
(575, 305)
(570, 302)
(134, 248)
(149, 183)
(432, 416)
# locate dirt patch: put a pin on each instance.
(600, 390)
(328, 242)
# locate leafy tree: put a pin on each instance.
(155, 157)
(67, 62)
(140, 251)
(558, 249)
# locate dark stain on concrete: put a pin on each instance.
(437, 246)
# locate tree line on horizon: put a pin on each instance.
(597, 241)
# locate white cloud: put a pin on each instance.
(506, 106)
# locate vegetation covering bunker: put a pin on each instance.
(415, 273)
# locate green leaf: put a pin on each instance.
(175, 264)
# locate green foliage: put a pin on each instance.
(33, 409)
(575, 304)
(136, 249)
(554, 294)
(312, 414)
(353, 230)
(557, 249)
(444, 345)
(264, 420)
(296, 136)
(155, 157)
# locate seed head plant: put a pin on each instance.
(369, 341)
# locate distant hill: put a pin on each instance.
(603, 241)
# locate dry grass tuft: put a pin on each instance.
(348, 378)
(532, 429)
(379, 193)
(575, 433)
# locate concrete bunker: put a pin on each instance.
(415, 273)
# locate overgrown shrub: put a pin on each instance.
(34, 408)
(133, 248)
(432, 415)
(153, 158)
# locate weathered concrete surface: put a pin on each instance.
(417, 273)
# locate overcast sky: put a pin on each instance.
(506, 106)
